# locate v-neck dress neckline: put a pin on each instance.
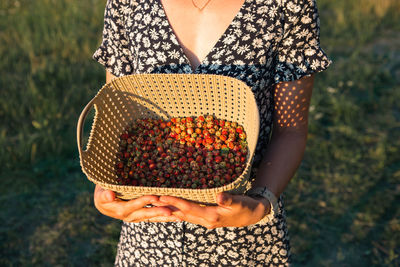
(204, 60)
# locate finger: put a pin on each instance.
(147, 214)
(229, 201)
(102, 195)
(224, 199)
(171, 218)
(182, 204)
(189, 217)
(160, 204)
(140, 202)
(192, 212)
(121, 208)
(207, 221)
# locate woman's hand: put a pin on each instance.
(232, 210)
(132, 210)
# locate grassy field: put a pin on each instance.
(343, 205)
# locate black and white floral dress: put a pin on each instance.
(268, 41)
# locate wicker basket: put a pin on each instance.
(163, 96)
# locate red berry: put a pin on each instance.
(209, 118)
(239, 129)
(209, 140)
(217, 145)
(189, 131)
(152, 166)
(120, 165)
(230, 145)
(176, 154)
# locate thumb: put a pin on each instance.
(224, 199)
(107, 195)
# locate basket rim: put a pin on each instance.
(130, 188)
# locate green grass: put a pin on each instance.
(342, 205)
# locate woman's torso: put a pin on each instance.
(251, 41)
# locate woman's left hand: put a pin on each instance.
(232, 210)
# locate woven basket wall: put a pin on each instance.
(163, 96)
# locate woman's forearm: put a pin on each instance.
(289, 136)
(283, 157)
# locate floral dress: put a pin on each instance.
(267, 42)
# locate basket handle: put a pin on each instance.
(81, 121)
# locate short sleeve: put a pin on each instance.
(113, 52)
(299, 52)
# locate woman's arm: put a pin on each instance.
(288, 141)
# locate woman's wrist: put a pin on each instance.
(268, 199)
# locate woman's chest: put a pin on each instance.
(199, 24)
(248, 37)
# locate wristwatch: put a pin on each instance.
(265, 193)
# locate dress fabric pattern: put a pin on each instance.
(267, 42)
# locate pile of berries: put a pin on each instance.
(201, 152)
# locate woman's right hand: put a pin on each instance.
(133, 210)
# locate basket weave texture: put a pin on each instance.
(164, 96)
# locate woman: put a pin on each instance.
(271, 45)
